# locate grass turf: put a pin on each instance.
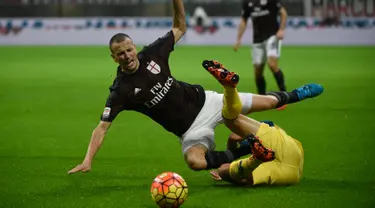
(52, 98)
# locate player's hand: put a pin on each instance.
(84, 167)
(236, 46)
(215, 175)
(280, 34)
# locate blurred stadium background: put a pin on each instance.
(56, 69)
(210, 22)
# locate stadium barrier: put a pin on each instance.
(219, 31)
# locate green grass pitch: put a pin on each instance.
(52, 98)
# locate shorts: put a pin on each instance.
(268, 48)
(202, 129)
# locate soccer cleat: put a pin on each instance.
(259, 151)
(309, 91)
(221, 74)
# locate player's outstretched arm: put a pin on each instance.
(96, 141)
(283, 17)
(241, 31)
(179, 20)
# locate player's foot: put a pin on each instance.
(223, 75)
(259, 151)
(309, 91)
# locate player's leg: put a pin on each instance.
(245, 171)
(256, 103)
(273, 46)
(251, 172)
(235, 141)
(195, 157)
(259, 59)
(232, 103)
(198, 143)
(231, 110)
(275, 100)
(201, 156)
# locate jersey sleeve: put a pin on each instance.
(163, 46)
(112, 108)
(245, 14)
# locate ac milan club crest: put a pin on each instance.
(154, 67)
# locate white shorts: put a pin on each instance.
(268, 48)
(202, 129)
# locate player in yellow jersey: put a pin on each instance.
(277, 158)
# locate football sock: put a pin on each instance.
(244, 167)
(279, 76)
(216, 158)
(285, 97)
(251, 163)
(232, 103)
(241, 151)
(261, 85)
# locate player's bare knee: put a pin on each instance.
(269, 102)
(263, 102)
(195, 161)
(272, 101)
(272, 64)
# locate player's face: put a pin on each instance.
(125, 54)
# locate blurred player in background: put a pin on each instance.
(144, 84)
(267, 36)
(276, 158)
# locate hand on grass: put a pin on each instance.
(81, 168)
(215, 175)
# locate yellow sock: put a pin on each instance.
(242, 168)
(232, 103)
(251, 163)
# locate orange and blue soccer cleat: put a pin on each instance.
(259, 151)
(221, 74)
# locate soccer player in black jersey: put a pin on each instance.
(144, 84)
(267, 36)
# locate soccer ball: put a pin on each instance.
(169, 190)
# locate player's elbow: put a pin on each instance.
(179, 29)
(182, 27)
